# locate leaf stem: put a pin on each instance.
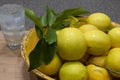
(30, 14)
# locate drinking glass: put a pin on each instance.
(12, 21)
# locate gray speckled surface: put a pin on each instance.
(110, 7)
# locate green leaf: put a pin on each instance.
(43, 21)
(50, 16)
(30, 14)
(36, 56)
(51, 50)
(39, 32)
(112, 71)
(60, 25)
(71, 12)
(42, 53)
(61, 18)
(109, 69)
(107, 29)
(51, 36)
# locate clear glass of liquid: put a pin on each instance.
(12, 21)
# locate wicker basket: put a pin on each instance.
(24, 55)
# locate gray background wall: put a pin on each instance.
(110, 7)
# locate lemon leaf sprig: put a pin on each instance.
(61, 17)
(46, 27)
(29, 13)
(46, 46)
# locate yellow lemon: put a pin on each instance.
(71, 44)
(73, 71)
(87, 27)
(97, 60)
(100, 20)
(114, 35)
(113, 60)
(97, 73)
(51, 68)
(98, 42)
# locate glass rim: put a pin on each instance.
(11, 8)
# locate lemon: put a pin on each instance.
(113, 60)
(71, 44)
(51, 68)
(98, 42)
(73, 71)
(87, 27)
(97, 60)
(97, 73)
(100, 20)
(114, 35)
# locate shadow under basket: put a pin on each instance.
(29, 41)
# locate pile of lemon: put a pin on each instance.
(87, 50)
